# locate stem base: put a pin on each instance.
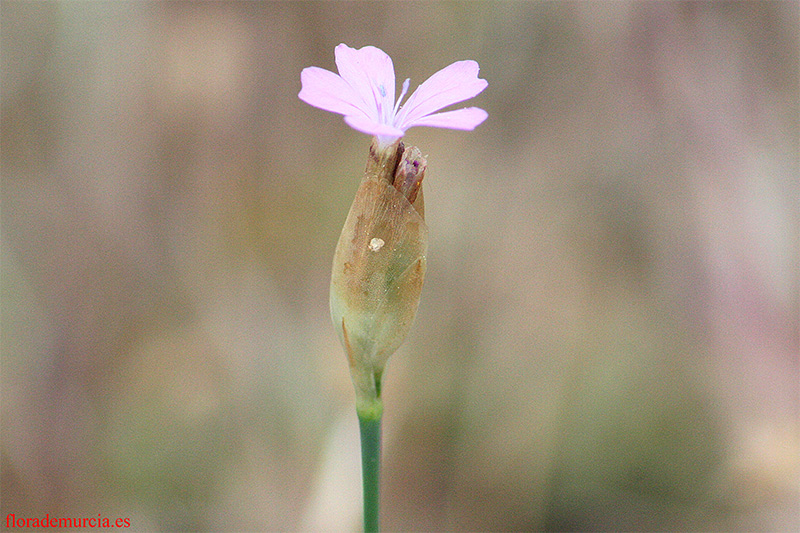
(369, 422)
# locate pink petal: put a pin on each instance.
(326, 90)
(371, 127)
(460, 119)
(454, 83)
(370, 73)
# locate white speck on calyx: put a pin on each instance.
(376, 244)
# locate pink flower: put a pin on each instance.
(363, 92)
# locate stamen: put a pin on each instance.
(402, 94)
(379, 92)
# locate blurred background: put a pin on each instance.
(608, 335)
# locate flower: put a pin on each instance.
(364, 89)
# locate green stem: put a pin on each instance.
(369, 421)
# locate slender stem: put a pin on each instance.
(369, 422)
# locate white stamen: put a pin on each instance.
(402, 94)
(376, 244)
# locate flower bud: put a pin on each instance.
(379, 265)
